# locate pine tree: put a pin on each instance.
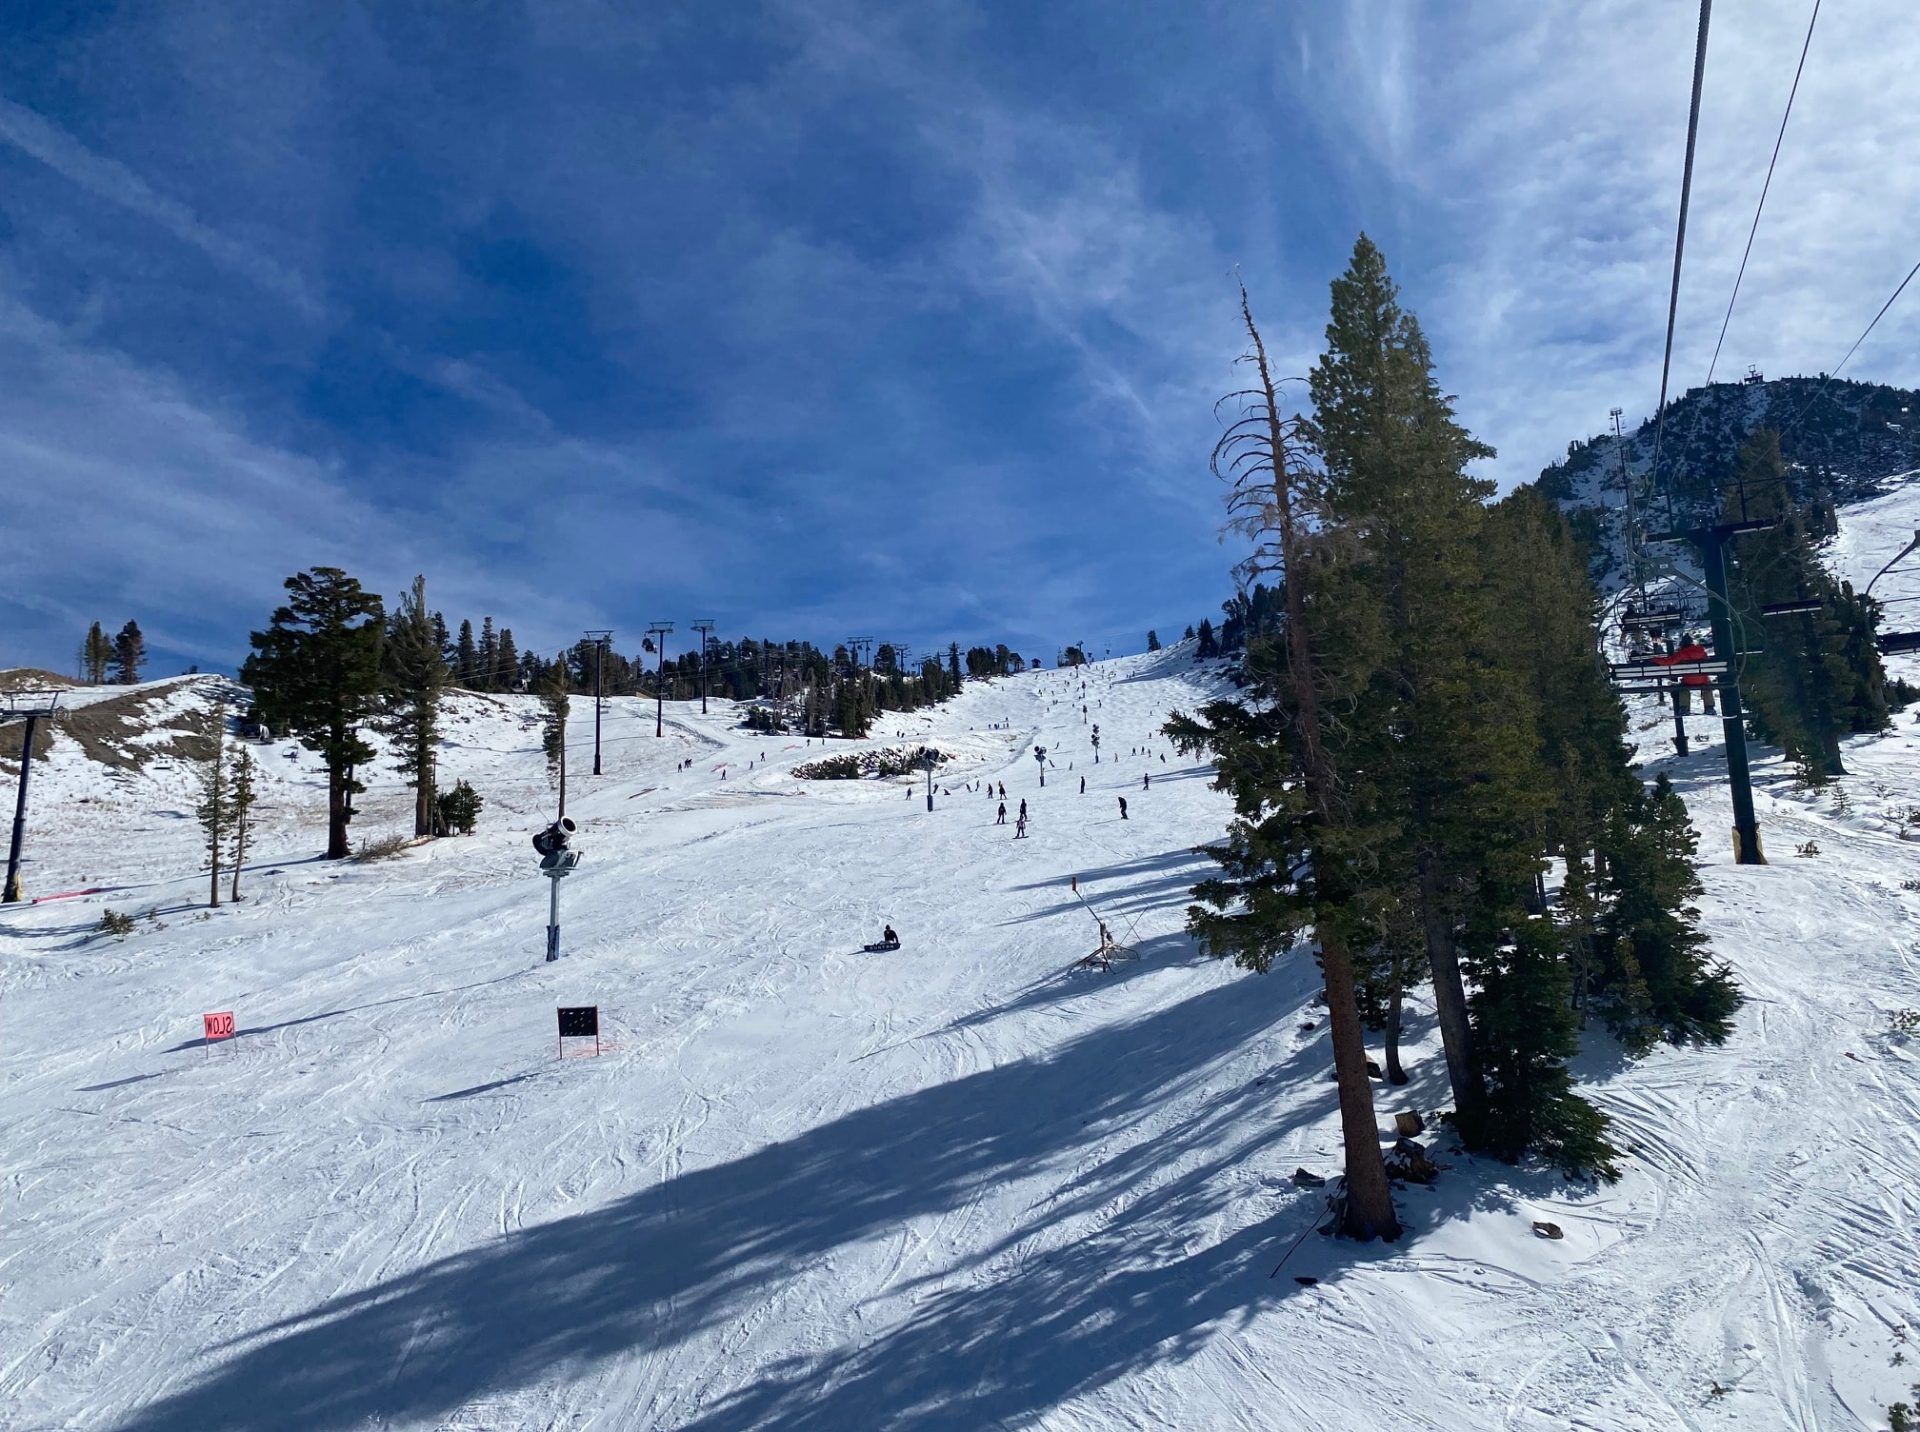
(215, 808)
(507, 665)
(414, 681)
(953, 666)
(466, 658)
(1527, 1031)
(129, 654)
(1654, 981)
(460, 809)
(1446, 733)
(315, 671)
(486, 656)
(1209, 645)
(1819, 677)
(553, 724)
(241, 798)
(96, 654)
(1189, 632)
(1153, 640)
(1547, 640)
(1297, 854)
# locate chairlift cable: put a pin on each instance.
(1805, 46)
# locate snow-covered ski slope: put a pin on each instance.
(957, 1186)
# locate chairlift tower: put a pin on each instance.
(600, 639)
(705, 627)
(1711, 542)
(1636, 568)
(657, 633)
(33, 707)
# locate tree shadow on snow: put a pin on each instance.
(1074, 980)
(1152, 879)
(663, 1266)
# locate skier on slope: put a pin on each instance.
(1023, 809)
(1083, 785)
(1146, 781)
(1020, 829)
(1123, 807)
(1002, 818)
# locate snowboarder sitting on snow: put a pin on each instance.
(888, 937)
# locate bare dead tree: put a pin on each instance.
(1276, 499)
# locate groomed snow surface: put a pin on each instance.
(960, 1186)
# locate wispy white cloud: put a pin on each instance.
(136, 497)
(108, 179)
(1546, 145)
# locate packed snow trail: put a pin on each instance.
(956, 1185)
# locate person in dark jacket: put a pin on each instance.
(1123, 807)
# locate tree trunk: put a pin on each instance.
(423, 788)
(336, 814)
(213, 890)
(1830, 754)
(1395, 1074)
(1369, 1202)
(239, 855)
(1449, 993)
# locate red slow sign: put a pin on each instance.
(219, 1026)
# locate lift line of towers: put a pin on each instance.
(1669, 661)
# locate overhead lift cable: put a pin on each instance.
(1806, 45)
(1680, 231)
(1829, 377)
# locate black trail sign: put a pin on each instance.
(579, 1021)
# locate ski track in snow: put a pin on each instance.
(960, 1186)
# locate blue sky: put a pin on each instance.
(823, 317)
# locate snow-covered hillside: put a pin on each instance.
(961, 1185)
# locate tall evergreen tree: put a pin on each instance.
(554, 702)
(507, 663)
(1153, 640)
(96, 654)
(1819, 677)
(1446, 733)
(215, 807)
(466, 657)
(486, 656)
(242, 797)
(315, 671)
(414, 681)
(1298, 852)
(129, 654)
(1209, 644)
